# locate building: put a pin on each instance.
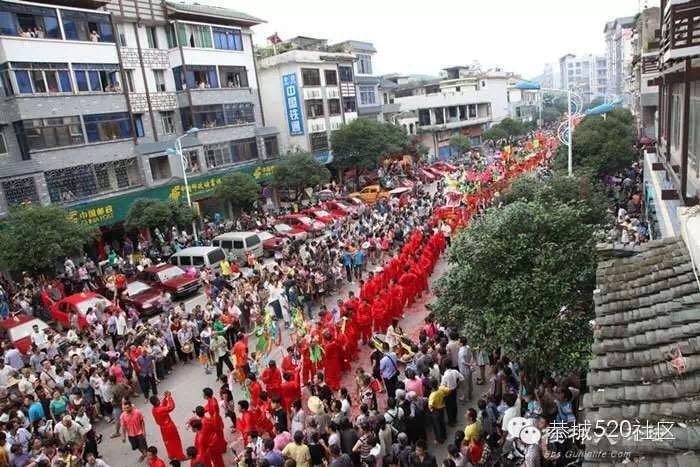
(524, 101)
(466, 101)
(369, 103)
(96, 91)
(585, 75)
(644, 68)
(618, 55)
(308, 91)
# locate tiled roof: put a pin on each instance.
(209, 10)
(647, 308)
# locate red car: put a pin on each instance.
(18, 331)
(303, 222)
(294, 233)
(271, 243)
(171, 279)
(79, 303)
(320, 215)
(143, 297)
(340, 208)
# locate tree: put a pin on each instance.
(601, 145)
(298, 171)
(512, 127)
(513, 272)
(361, 144)
(550, 114)
(461, 143)
(423, 150)
(494, 133)
(149, 213)
(34, 236)
(239, 190)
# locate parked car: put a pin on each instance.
(18, 330)
(370, 194)
(171, 279)
(143, 297)
(340, 208)
(271, 243)
(294, 233)
(79, 303)
(320, 215)
(325, 195)
(304, 223)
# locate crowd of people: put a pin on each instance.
(293, 412)
(626, 189)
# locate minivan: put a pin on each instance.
(199, 256)
(239, 244)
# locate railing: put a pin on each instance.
(680, 30)
(650, 64)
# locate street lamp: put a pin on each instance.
(177, 151)
(568, 124)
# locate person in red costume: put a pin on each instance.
(213, 456)
(168, 430)
(342, 340)
(254, 388)
(272, 378)
(379, 313)
(363, 319)
(245, 423)
(196, 458)
(153, 459)
(288, 365)
(290, 390)
(408, 281)
(212, 409)
(332, 362)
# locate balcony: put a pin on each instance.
(209, 96)
(29, 106)
(680, 31)
(454, 124)
(650, 64)
(391, 108)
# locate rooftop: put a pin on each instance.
(196, 9)
(356, 46)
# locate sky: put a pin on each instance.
(423, 37)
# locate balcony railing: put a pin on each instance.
(680, 31)
(650, 64)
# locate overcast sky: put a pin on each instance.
(423, 36)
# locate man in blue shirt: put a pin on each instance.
(358, 260)
(347, 263)
(35, 410)
(389, 369)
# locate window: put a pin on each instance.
(152, 37)
(424, 116)
(121, 33)
(3, 144)
(167, 121)
(233, 152)
(239, 114)
(319, 141)
(196, 77)
(39, 78)
(20, 190)
(233, 76)
(345, 73)
(367, 95)
(192, 161)
(96, 77)
(694, 128)
(82, 26)
(78, 182)
(108, 127)
(227, 39)
(310, 77)
(364, 64)
(333, 106)
(28, 21)
(46, 133)
(129, 75)
(314, 108)
(160, 167)
(676, 117)
(211, 116)
(349, 104)
(192, 35)
(271, 146)
(331, 77)
(159, 77)
(172, 37)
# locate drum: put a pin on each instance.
(187, 347)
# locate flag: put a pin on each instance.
(274, 39)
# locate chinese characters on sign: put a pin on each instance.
(177, 192)
(92, 216)
(263, 172)
(612, 430)
(290, 91)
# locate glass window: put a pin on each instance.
(233, 76)
(7, 24)
(310, 77)
(82, 181)
(239, 114)
(28, 21)
(84, 26)
(367, 95)
(172, 37)
(345, 73)
(333, 106)
(49, 133)
(192, 35)
(364, 64)
(349, 104)
(24, 82)
(152, 37)
(314, 108)
(96, 77)
(319, 141)
(331, 77)
(222, 154)
(227, 39)
(271, 146)
(159, 77)
(3, 145)
(167, 120)
(108, 127)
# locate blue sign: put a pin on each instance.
(290, 90)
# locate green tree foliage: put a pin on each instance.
(239, 190)
(149, 213)
(550, 114)
(601, 146)
(34, 236)
(461, 143)
(361, 143)
(494, 133)
(508, 128)
(511, 274)
(298, 171)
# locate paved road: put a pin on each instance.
(187, 381)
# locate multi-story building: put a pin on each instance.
(95, 92)
(584, 75)
(645, 97)
(618, 55)
(466, 102)
(600, 77)
(369, 104)
(308, 91)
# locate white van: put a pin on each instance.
(199, 256)
(239, 244)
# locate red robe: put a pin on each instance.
(157, 462)
(214, 442)
(288, 366)
(272, 377)
(255, 390)
(363, 320)
(332, 364)
(245, 424)
(290, 391)
(168, 429)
